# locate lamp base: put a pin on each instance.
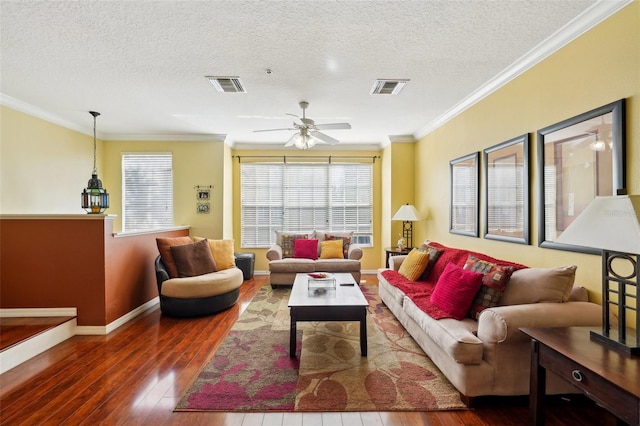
(630, 347)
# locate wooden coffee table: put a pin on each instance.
(344, 303)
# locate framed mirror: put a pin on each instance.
(506, 183)
(463, 212)
(578, 159)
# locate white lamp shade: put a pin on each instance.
(608, 223)
(407, 213)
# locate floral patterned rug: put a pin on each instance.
(252, 370)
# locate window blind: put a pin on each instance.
(506, 199)
(147, 191)
(303, 197)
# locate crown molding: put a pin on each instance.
(591, 17)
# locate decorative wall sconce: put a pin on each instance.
(95, 199)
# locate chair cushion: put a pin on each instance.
(206, 285)
(193, 259)
(164, 245)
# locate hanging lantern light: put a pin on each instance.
(95, 199)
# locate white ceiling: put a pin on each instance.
(142, 64)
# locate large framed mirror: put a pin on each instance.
(506, 183)
(578, 159)
(463, 211)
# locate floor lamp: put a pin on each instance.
(613, 225)
(407, 214)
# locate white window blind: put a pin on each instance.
(302, 197)
(506, 199)
(147, 191)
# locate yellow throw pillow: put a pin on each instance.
(414, 265)
(331, 249)
(222, 251)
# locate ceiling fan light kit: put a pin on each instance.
(309, 134)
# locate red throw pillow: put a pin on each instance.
(455, 290)
(305, 249)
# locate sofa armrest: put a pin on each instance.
(396, 261)
(355, 252)
(274, 252)
(496, 325)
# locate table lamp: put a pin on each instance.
(407, 214)
(612, 224)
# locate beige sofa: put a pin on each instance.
(491, 356)
(283, 267)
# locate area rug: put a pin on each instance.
(252, 370)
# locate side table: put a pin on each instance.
(608, 377)
(394, 251)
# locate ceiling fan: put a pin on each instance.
(309, 134)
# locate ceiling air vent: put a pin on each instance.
(387, 87)
(227, 84)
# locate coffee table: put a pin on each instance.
(344, 303)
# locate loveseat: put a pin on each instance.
(196, 276)
(285, 261)
(486, 354)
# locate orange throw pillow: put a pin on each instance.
(164, 247)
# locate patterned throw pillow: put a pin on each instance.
(494, 282)
(287, 243)
(433, 253)
(346, 242)
(414, 265)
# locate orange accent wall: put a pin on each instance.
(76, 261)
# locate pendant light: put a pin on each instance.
(95, 199)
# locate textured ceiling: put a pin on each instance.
(142, 64)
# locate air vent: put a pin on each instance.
(227, 84)
(388, 87)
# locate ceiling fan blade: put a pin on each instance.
(291, 140)
(333, 126)
(296, 117)
(324, 138)
(273, 130)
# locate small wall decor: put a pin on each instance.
(203, 195)
(578, 159)
(463, 212)
(506, 182)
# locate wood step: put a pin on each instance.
(22, 338)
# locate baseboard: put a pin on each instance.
(18, 354)
(92, 330)
(38, 312)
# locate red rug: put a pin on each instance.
(252, 370)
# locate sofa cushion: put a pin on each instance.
(286, 242)
(222, 251)
(494, 282)
(206, 285)
(337, 265)
(455, 290)
(193, 259)
(414, 265)
(331, 250)
(164, 247)
(293, 265)
(533, 285)
(456, 338)
(305, 248)
(434, 254)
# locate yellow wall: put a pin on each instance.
(600, 67)
(194, 164)
(43, 167)
(371, 256)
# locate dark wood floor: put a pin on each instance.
(137, 374)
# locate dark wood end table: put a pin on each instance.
(394, 251)
(610, 378)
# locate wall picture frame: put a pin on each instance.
(506, 189)
(464, 195)
(578, 159)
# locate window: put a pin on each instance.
(302, 197)
(147, 191)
